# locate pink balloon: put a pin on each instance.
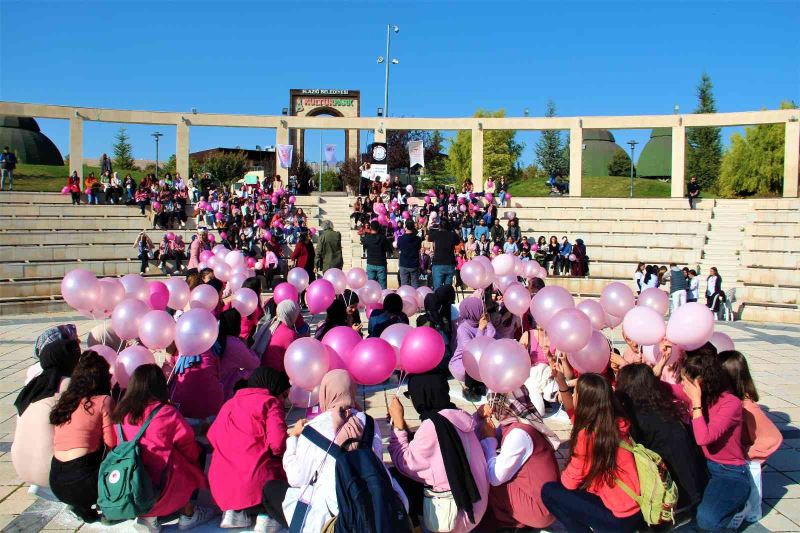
(356, 277)
(372, 361)
(298, 277)
(471, 356)
(422, 349)
(422, 292)
(721, 342)
(504, 365)
(594, 311)
(222, 271)
(612, 321)
(80, 289)
(196, 332)
(691, 325)
(302, 398)
(407, 292)
(395, 334)
(371, 293)
(237, 280)
(335, 361)
(178, 293)
(157, 330)
(342, 339)
(135, 286)
(251, 262)
(245, 301)
(159, 295)
(644, 325)
(548, 301)
(220, 250)
(203, 297)
(502, 282)
(474, 275)
(655, 299)
(285, 291)
(126, 317)
(214, 261)
(235, 259)
(107, 353)
(503, 264)
(569, 330)
(593, 357)
(319, 296)
(617, 298)
(129, 360)
(531, 269)
(485, 262)
(516, 298)
(409, 306)
(337, 279)
(205, 255)
(369, 308)
(111, 293)
(306, 362)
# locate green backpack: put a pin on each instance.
(659, 493)
(124, 489)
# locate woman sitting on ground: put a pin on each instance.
(236, 360)
(284, 332)
(392, 313)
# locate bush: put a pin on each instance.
(620, 164)
(331, 181)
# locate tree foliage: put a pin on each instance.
(171, 166)
(551, 150)
(226, 167)
(397, 143)
(704, 153)
(350, 173)
(459, 157)
(620, 164)
(754, 163)
(123, 151)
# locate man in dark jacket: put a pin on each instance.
(329, 247)
(497, 233)
(408, 245)
(8, 162)
(376, 246)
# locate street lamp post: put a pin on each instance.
(157, 135)
(632, 144)
(387, 61)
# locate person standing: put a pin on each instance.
(105, 165)
(376, 246)
(677, 286)
(693, 192)
(444, 260)
(409, 245)
(8, 162)
(74, 185)
(329, 247)
(713, 290)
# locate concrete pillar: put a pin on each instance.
(791, 160)
(678, 178)
(351, 139)
(282, 137)
(576, 161)
(477, 159)
(182, 149)
(76, 147)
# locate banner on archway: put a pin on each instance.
(330, 154)
(285, 155)
(416, 153)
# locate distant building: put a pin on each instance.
(656, 158)
(255, 158)
(599, 148)
(23, 136)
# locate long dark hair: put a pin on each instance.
(91, 377)
(738, 371)
(714, 380)
(596, 413)
(147, 385)
(638, 389)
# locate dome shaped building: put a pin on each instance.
(599, 148)
(23, 136)
(656, 158)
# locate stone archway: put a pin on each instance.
(344, 103)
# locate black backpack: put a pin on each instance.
(367, 501)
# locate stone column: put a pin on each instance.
(678, 179)
(352, 147)
(182, 149)
(576, 161)
(791, 160)
(282, 137)
(76, 147)
(477, 159)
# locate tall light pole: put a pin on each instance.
(321, 132)
(387, 61)
(632, 144)
(157, 135)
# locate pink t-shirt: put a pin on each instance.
(87, 429)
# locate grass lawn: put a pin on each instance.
(48, 178)
(600, 187)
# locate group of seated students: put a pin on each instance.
(492, 470)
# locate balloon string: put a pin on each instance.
(403, 375)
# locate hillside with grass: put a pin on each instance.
(48, 178)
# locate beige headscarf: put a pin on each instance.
(337, 395)
(286, 312)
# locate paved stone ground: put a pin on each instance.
(773, 351)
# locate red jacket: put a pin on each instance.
(301, 256)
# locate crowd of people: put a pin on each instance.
(217, 420)
(684, 286)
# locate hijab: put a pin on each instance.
(337, 395)
(336, 316)
(437, 307)
(286, 313)
(64, 331)
(430, 394)
(267, 378)
(58, 359)
(470, 310)
(517, 406)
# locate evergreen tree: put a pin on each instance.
(123, 151)
(551, 148)
(704, 144)
(620, 164)
(459, 161)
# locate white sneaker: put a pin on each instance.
(201, 516)
(267, 524)
(148, 524)
(234, 519)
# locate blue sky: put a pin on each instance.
(592, 58)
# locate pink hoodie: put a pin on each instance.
(238, 362)
(198, 391)
(421, 460)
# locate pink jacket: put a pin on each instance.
(249, 438)
(421, 460)
(280, 341)
(194, 252)
(170, 456)
(238, 362)
(198, 392)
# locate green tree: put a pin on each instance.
(551, 150)
(171, 166)
(459, 161)
(226, 167)
(704, 144)
(350, 173)
(754, 163)
(123, 151)
(620, 164)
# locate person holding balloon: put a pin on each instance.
(197, 389)
(474, 322)
(250, 321)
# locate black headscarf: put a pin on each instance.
(230, 325)
(267, 378)
(393, 303)
(336, 315)
(437, 307)
(58, 359)
(430, 394)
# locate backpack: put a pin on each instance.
(124, 489)
(367, 501)
(659, 493)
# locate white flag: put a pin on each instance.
(416, 153)
(330, 154)
(285, 155)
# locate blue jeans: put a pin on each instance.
(580, 511)
(465, 233)
(442, 275)
(408, 276)
(378, 273)
(726, 493)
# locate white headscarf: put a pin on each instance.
(286, 312)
